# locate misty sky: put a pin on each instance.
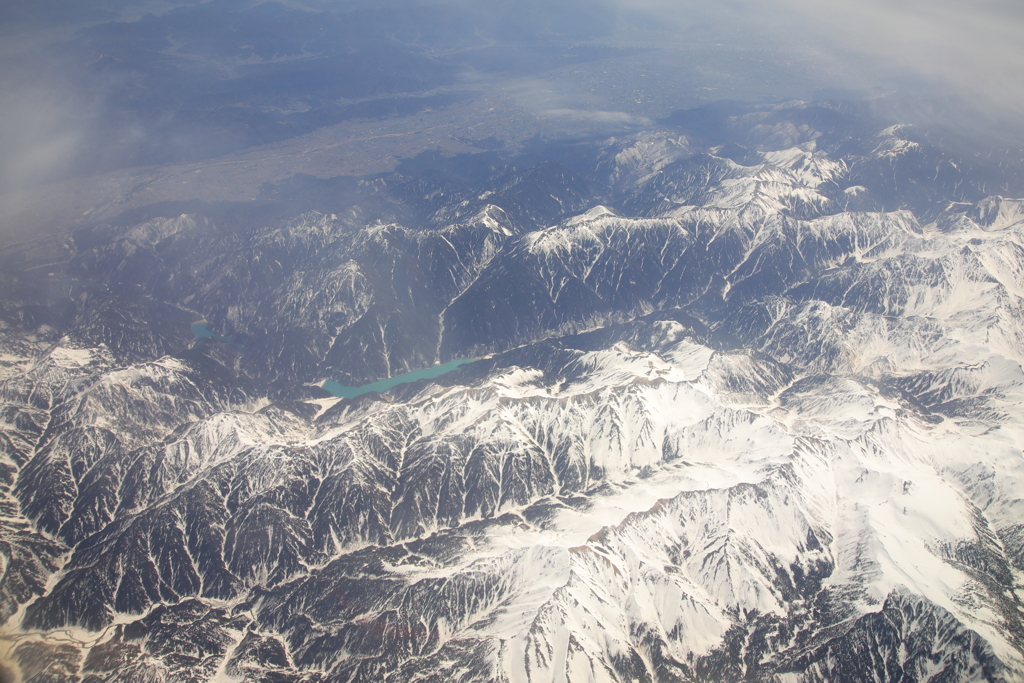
(80, 95)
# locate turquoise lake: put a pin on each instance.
(202, 332)
(341, 391)
(71, 283)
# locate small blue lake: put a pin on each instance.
(71, 283)
(203, 332)
(341, 391)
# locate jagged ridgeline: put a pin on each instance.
(746, 405)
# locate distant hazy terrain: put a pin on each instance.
(110, 107)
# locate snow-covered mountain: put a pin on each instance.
(745, 406)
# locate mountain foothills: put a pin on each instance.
(747, 406)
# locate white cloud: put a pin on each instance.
(968, 49)
(615, 118)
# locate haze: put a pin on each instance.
(101, 99)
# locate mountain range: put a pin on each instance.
(745, 404)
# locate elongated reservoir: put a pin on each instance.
(342, 391)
